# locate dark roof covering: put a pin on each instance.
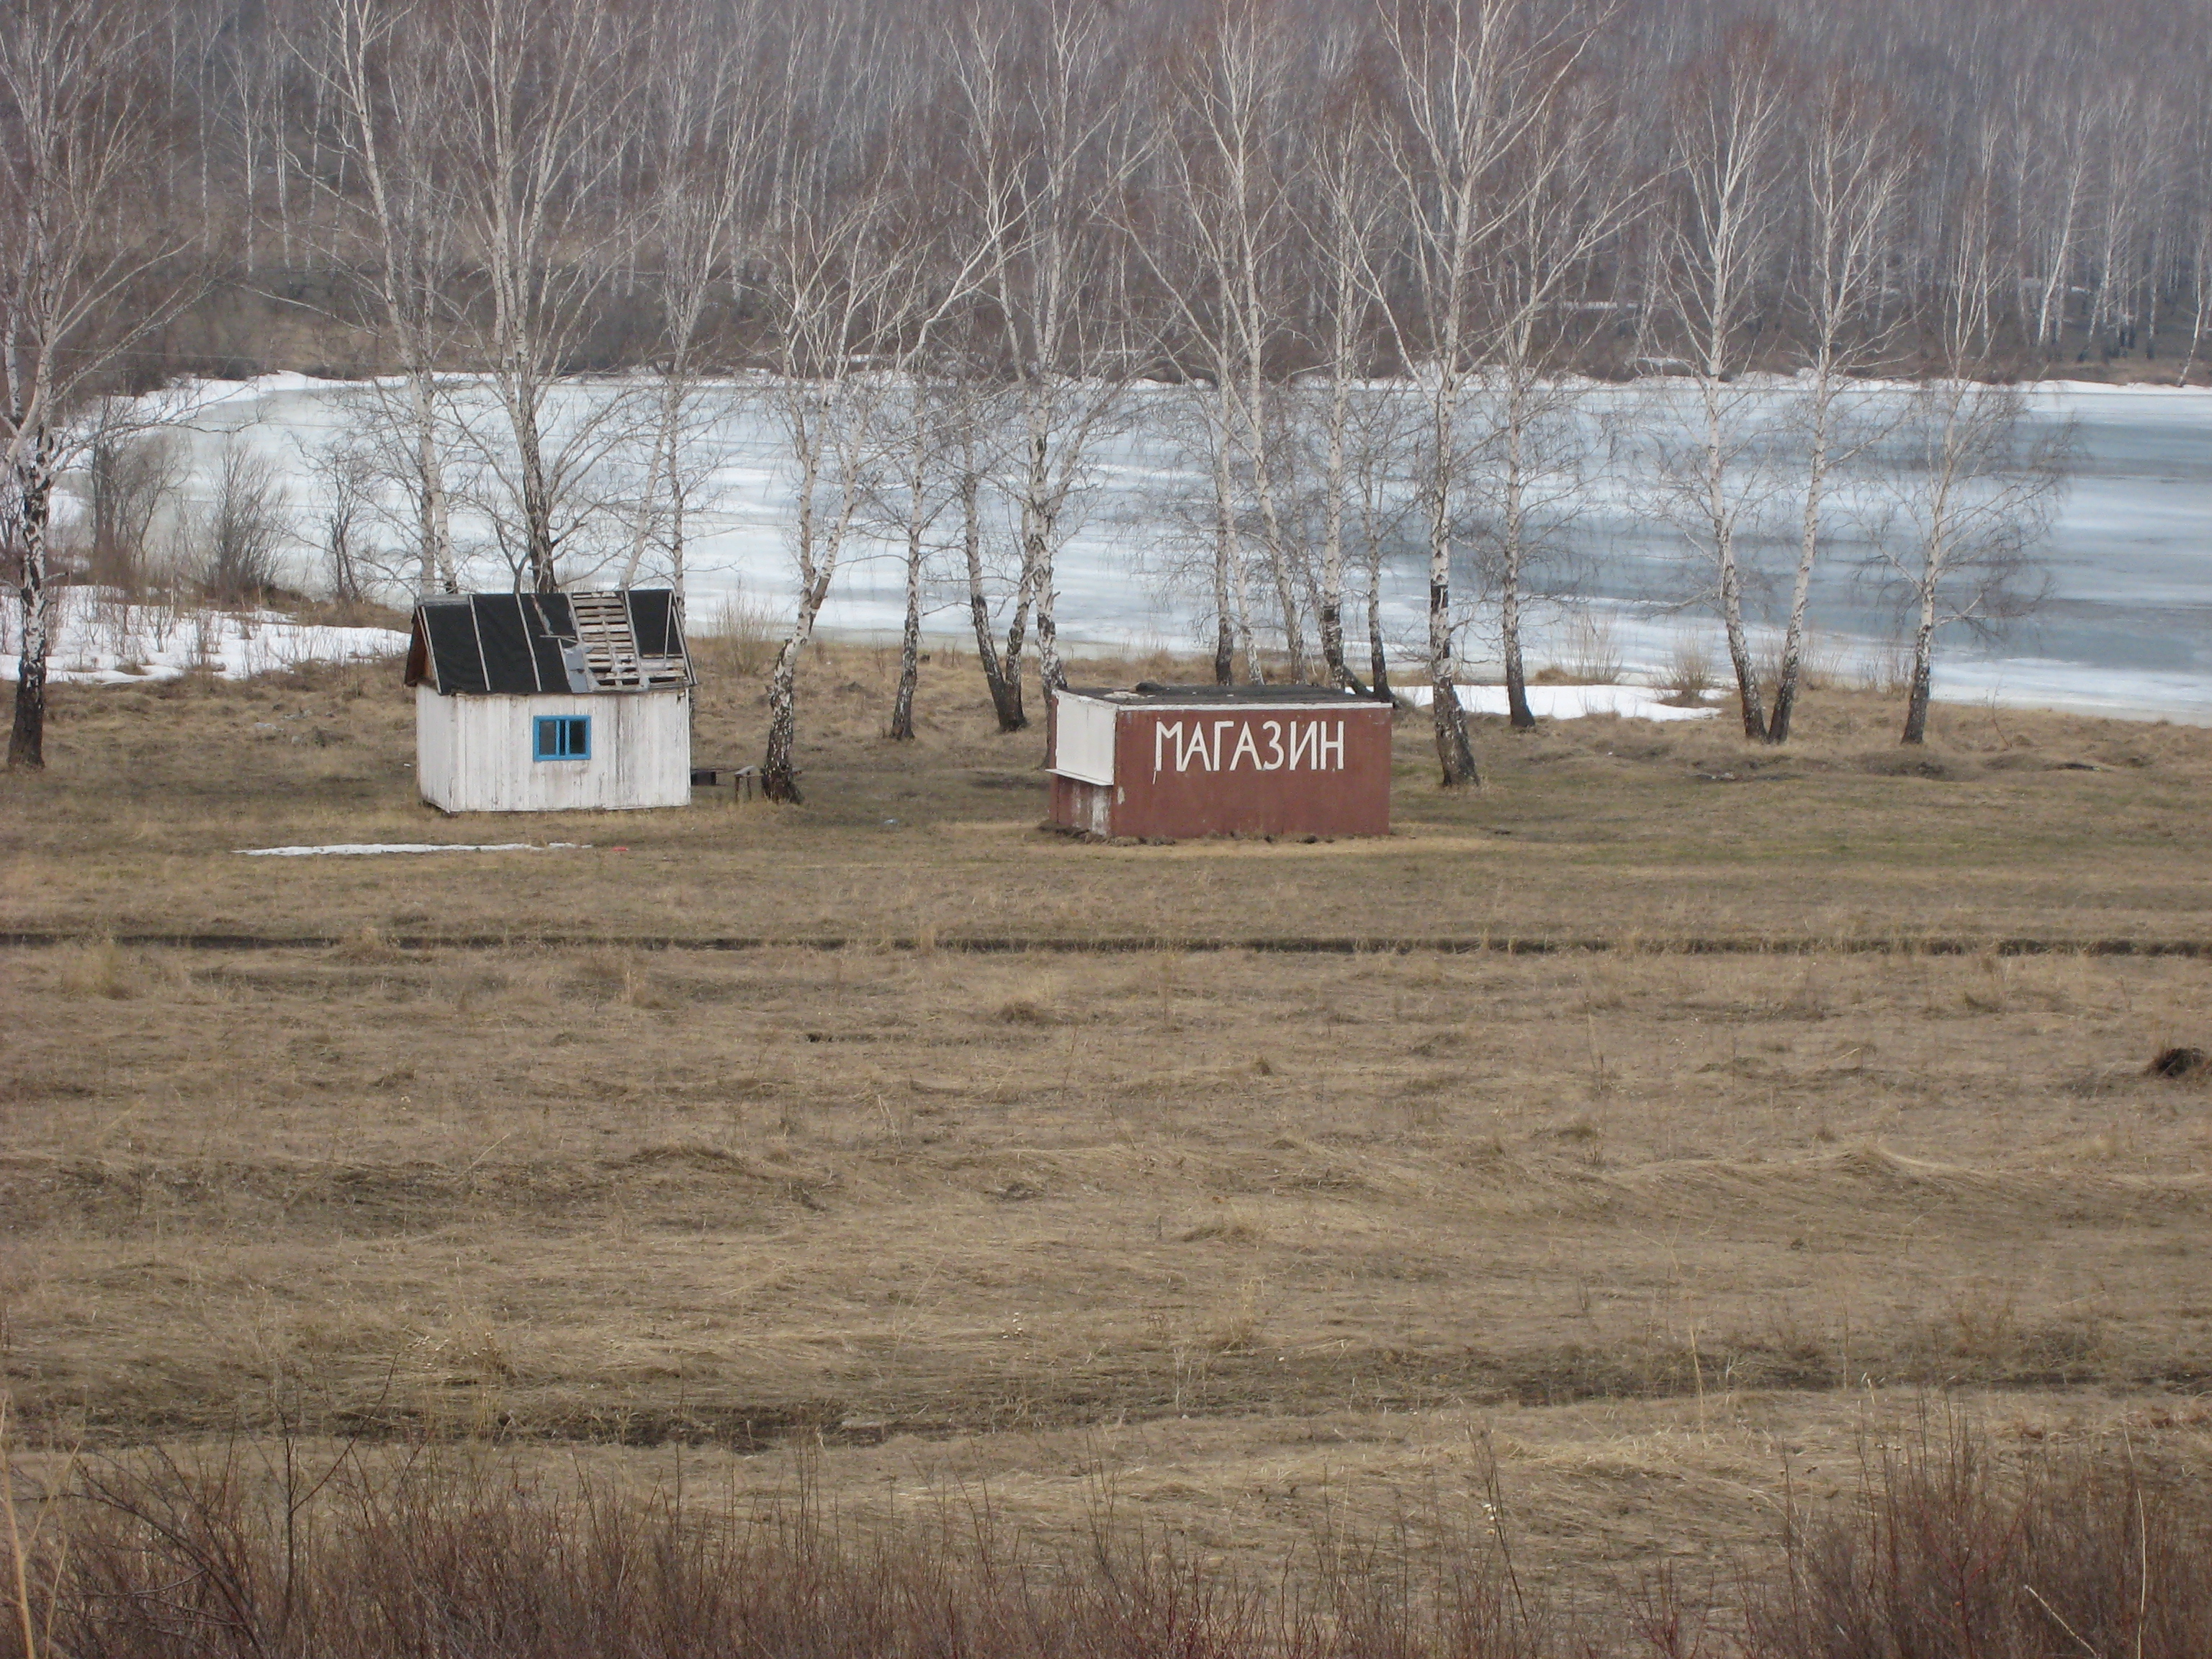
(653, 621)
(1151, 691)
(535, 644)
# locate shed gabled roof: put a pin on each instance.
(534, 644)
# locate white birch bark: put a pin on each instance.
(89, 269)
(1855, 170)
(1727, 122)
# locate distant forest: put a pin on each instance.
(2058, 155)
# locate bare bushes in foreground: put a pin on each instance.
(1944, 1554)
(453, 1552)
(459, 1555)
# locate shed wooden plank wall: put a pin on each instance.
(472, 754)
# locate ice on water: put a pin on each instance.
(2127, 628)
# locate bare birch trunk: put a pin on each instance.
(1721, 522)
(1378, 661)
(437, 552)
(1331, 608)
(1009, 665)
(1038, 523)
(1006, 690)
(33, 487)
(1924, 671)
(779, 778)
(1228, 554)
(1739, 649)
(1263, 485)
(536, 497)
(1791, 671)
(1516, 673)
(662, 454)
(1332, 586)
(678, 494)
(1512, 557)
(902, 726)
(1332, 648)
(1454, 749)
(1240, 604)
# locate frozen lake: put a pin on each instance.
(2127, 628)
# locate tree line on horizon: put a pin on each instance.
(943, 239)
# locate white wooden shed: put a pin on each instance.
(551, 702)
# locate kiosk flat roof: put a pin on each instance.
(1151, 694)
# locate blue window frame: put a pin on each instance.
(562, 737)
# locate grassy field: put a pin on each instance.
(1598, 829)
(611, 1155)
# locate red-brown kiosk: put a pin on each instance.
(1168, 763)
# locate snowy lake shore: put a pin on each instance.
(2126, 629)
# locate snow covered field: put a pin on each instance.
(1567, 702)
(100, 640)
(2127, 629)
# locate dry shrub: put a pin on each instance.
(2176, 1065)
(2082, 1550)
(741, 635)
(101, 970)
(366, 946)
(463, 1557)
(262, 1550)
(1887, 672)
(1690, 672)
(244, 529)
(620, 976)
(1592, 655)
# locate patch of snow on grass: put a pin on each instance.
(1566, 703)
(99, 639)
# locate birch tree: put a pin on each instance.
(1051, 131)
(384, 78)
(2057, 144)
(1472, 74)
(1188, 249)
(929, 436)
(705, 139)
(1729, 126)
(972, 419)
(541, 93)
(1968, 484)
(1348, 213)
(91, 267)
(1226, 154)
(1854, 165)
(832, 271)
(822, 296)
(2198, 240)
(1380, 475)
(1566, 198)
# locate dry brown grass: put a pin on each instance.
(1270, 1229)
(1596, 828)
(651, 1193)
